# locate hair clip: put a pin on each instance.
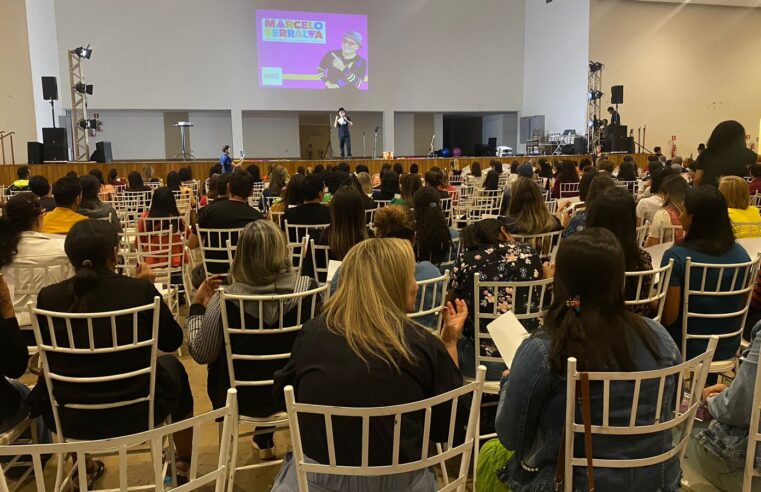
(87, 263)
(432, 204)
(575, 303)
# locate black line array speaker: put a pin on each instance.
(102, 153)
(49, 88)
(580, 145)
(56, 144)
(34, 152)
(617, 94)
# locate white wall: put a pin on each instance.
(684, 67)
(43, 54)
(212, 130)
(503, 127)
(271, 134)
(555, 61)
(404, 134)
(133, 134)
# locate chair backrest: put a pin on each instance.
(320, 261)
(214, 249)
(483, 202)
(155, 439)
(446, 208)
(546, 244)
(73, 337)
(268, 201)
(163, 250)
(622, 416)
(370, 215)
(671, 233)
(642, 233)
(569, 189)
(382, 203)
(528, 301)
(244, 325)
(552, 206)
(717, 281)
(455, 179)
(451, 256)
(276, 217)
(431, 301)
(296, 232)
(421, 410)
(632, 186)
(154, 184)
(755, 200)
(656, 290)
(183, 201)
(28, 280)
(298, 252)
(747, 229)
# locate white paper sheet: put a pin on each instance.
(332, 267)
(508, 333)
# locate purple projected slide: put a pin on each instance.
(311, 50)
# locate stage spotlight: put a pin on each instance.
(83, 88)
(595, 66)
(88, 124)
(591, 95)
(81, 52)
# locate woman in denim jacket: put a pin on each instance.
(720, 449)
(587, 320)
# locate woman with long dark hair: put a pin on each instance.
(587, 319)
(92, 249)
(433, 239)
(708, 239)
(164, 206)
(627, 171)
(136, 182)
(255, 173)
(291, 195)
(23, 245)
(106, 189)
(347, 222)
(114, 179)
(353, 181)
(91, 205)
(491, 181)
(389, 187)
(597, 183)
(567, 174)
(614, 210)
(175, 183)
(725, 155)
(672, 190)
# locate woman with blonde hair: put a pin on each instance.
(527, 213)
(363, 351)
(366, 182)
(148, 175)
(262, 266)
(737, 194)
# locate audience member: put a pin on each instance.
(605, 166)
(735, 191)
(362, 351)
(253, 171)
(164, 206)
(40, 186)
(333, 180)
(409, 184)
(92, 247)
(527, 213)
(114, 179)
(389, 187)
(754, 186)
(587, 319)
(136, 183)
(148, 175)
(597, 185)
(413, 168)
(353, 182)
(497, 257)
(347, 223)
(398, 168)
(262, 266)
(647, 206)
(68, 195)
(708, 239)
(22, 183)
(725, 155)
(290, 196)
(107, 191)
(311, 212)
(176, 183)
(434, 239)
(627, 172)
(435, 179)
(91, 206)
(672, 191)
(278, 179)
(491, 181)
(366, 182)
(566, 175)
(23, 245)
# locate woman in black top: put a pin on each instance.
(389, 187)
(364, 352)
(491, 182)
(135, 182)
(13, 360)
(92, 247)
(253, 170)
(433, 239)
(725, 155)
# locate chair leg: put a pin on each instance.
(476, 446)
(233, 461)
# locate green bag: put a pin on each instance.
(492, 458)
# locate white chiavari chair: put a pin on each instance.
(216, 245)
(747, 229)
(545, 244)
(431, 301)
(320, 261)
(294, 233)
(569, 190)
(655, 294)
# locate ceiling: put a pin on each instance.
(721, 3)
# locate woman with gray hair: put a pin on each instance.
(262, 266)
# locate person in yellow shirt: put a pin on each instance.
(68, 194)
(742, 214)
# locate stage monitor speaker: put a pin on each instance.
(493, 143)
(102, 153)
(49, 88)
(55, 152)
(54, 136)
(617, 94)
(580, 145)
(619, 139)
(34, 152)
(630, 144)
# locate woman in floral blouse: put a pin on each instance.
(497, 258)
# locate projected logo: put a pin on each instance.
(311, 50)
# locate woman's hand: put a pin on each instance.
(454, 319)
(6, 302)
(143, 271)
(713, 390)
(206, 290)
(549, 269)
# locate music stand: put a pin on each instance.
(182, 125)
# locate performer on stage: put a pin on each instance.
(225, 160)
(343, 122)
(344, 68)
(615, 118)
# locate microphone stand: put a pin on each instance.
(364, 151)
(431, 153)
(375, 143)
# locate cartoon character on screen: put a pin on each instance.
(344, 68)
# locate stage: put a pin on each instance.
(55, 170)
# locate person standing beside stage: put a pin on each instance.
(226, 161)
(343, 122)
